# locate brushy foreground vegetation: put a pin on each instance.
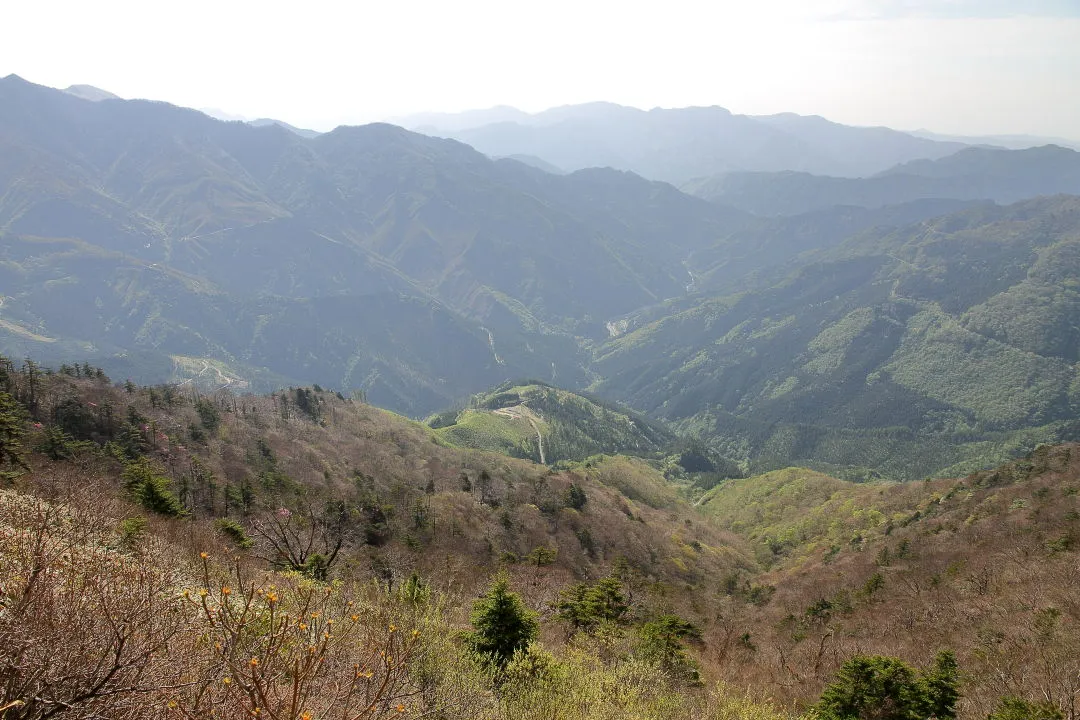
(167, 554)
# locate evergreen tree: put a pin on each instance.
(586, 606)
(502, 624)
(661, 641)
(575, 497)
(151, 489)
(414, 591)
(12, 431)
(941, 684)
(886, 688)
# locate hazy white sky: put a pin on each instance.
(956, 66)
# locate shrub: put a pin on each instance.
(235, 532)
(1013, 708)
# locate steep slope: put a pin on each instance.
(396, 488)
(972, 174)
(677, 145)
(370, 258)
(135, 536)
(983, 565)
(908, 351)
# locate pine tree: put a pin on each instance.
(587, 606)
(151, 489)
(502, 624)
(886, 688)
(12, 431)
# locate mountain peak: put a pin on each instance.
(91, 93)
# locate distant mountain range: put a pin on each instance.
(371, 257)
(1010, 142)
(900, 324)
(971, 174)
(679, 145)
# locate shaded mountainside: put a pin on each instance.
(678, 145)
(415, 271)
(1004, 176)
(942, 344)
(139, 226)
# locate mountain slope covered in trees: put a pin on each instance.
(941, 344)
(361, 258)
(303, 534)
(416, 272)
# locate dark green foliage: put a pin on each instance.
(1013, 708)
(12, 432)
(317, 567)
(132, 531)
(308, 403)
(576, 497)
(56, 444)
(414, 591)
(502, 625)
(542, 555)
(661, 641)
(873, 584)
(75, 419)
(209, 415)
(151, 489)
(885, 688)
(586, 606)
(235, 532)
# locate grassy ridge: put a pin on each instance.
(572, 426)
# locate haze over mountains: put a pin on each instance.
(680, 145)
(783, 316)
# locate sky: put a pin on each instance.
(953, 66)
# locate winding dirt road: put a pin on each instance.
(520, 412)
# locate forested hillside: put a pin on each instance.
(936, 348)
(415, 272)
(168, 553)
(413, 268)
(549, 425)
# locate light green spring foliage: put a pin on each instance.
(576, 685)
(791, 511)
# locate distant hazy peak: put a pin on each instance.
(1011, 141)
(219, 114)
(267, 122)
(453, 122)
(91, 93)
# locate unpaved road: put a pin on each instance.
(520, 412)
